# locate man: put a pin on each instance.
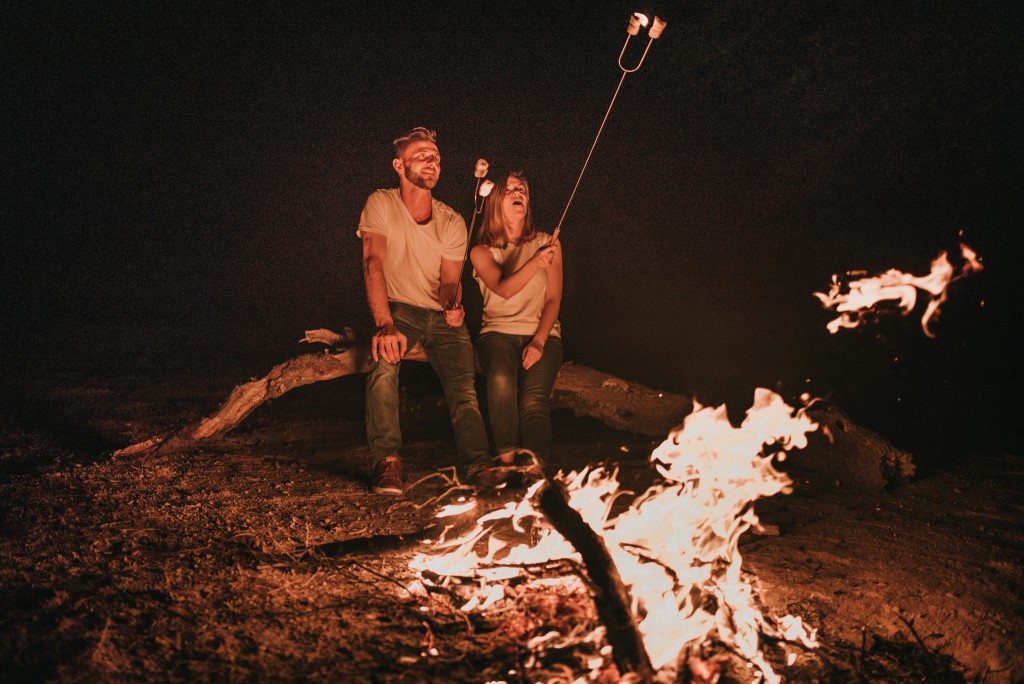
(413, 247)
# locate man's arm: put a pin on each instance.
(388, 342)
(450, 294)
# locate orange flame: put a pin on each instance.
(675, 546)
(893, 285)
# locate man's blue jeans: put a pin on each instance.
(451, 354)
(519, 400)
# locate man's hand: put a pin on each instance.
(388, 343)
(454, 315)
(532, 354)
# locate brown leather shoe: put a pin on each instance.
(387, 477)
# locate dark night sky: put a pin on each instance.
(196, 175)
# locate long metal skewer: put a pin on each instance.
(635, 22)
(480, 193)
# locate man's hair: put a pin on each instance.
(415, 135)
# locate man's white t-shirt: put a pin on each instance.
(412, 263)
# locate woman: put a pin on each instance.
(520, 348)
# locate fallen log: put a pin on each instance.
(841, 453)
(349, 359)
(616, 402)
(611, 597)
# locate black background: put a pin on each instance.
(184, 185)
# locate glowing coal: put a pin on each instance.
(861, 296)
(675, 546)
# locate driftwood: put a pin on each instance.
(849, 455)
(842, 452)
(610, 595)
(619, 403)
(615, 402)
(349, 359)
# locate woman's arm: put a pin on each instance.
(549, 312)
(506, 286)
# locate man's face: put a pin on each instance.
(420, 164)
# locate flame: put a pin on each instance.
(893, 285)
(675, 545)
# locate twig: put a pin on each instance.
(102, 643)
(435, 594)
(375, 543)
(927, 652)
(428, 640)
(454, 485)
(453, 480)
(382, 576)
(989, 670)
(559, 566)
(440, 497)
(859, 663)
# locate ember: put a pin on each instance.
(675, 546)
(864, 294)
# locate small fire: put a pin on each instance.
(676, 546)
(863, 294)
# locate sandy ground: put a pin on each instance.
(197, 566)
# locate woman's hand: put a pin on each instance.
(544, 256)
(532, 353)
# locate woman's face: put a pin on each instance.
(515, 202)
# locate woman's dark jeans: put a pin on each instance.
(519, 400)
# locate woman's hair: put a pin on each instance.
(492, 230)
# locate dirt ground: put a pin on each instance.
(224, 563)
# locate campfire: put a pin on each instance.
(861, 297)
(675, 546)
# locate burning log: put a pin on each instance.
(610, 595)
(672, 551)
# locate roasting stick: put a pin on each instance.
(636, 21)
(483, 189)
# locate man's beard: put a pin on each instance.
(419, 181)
